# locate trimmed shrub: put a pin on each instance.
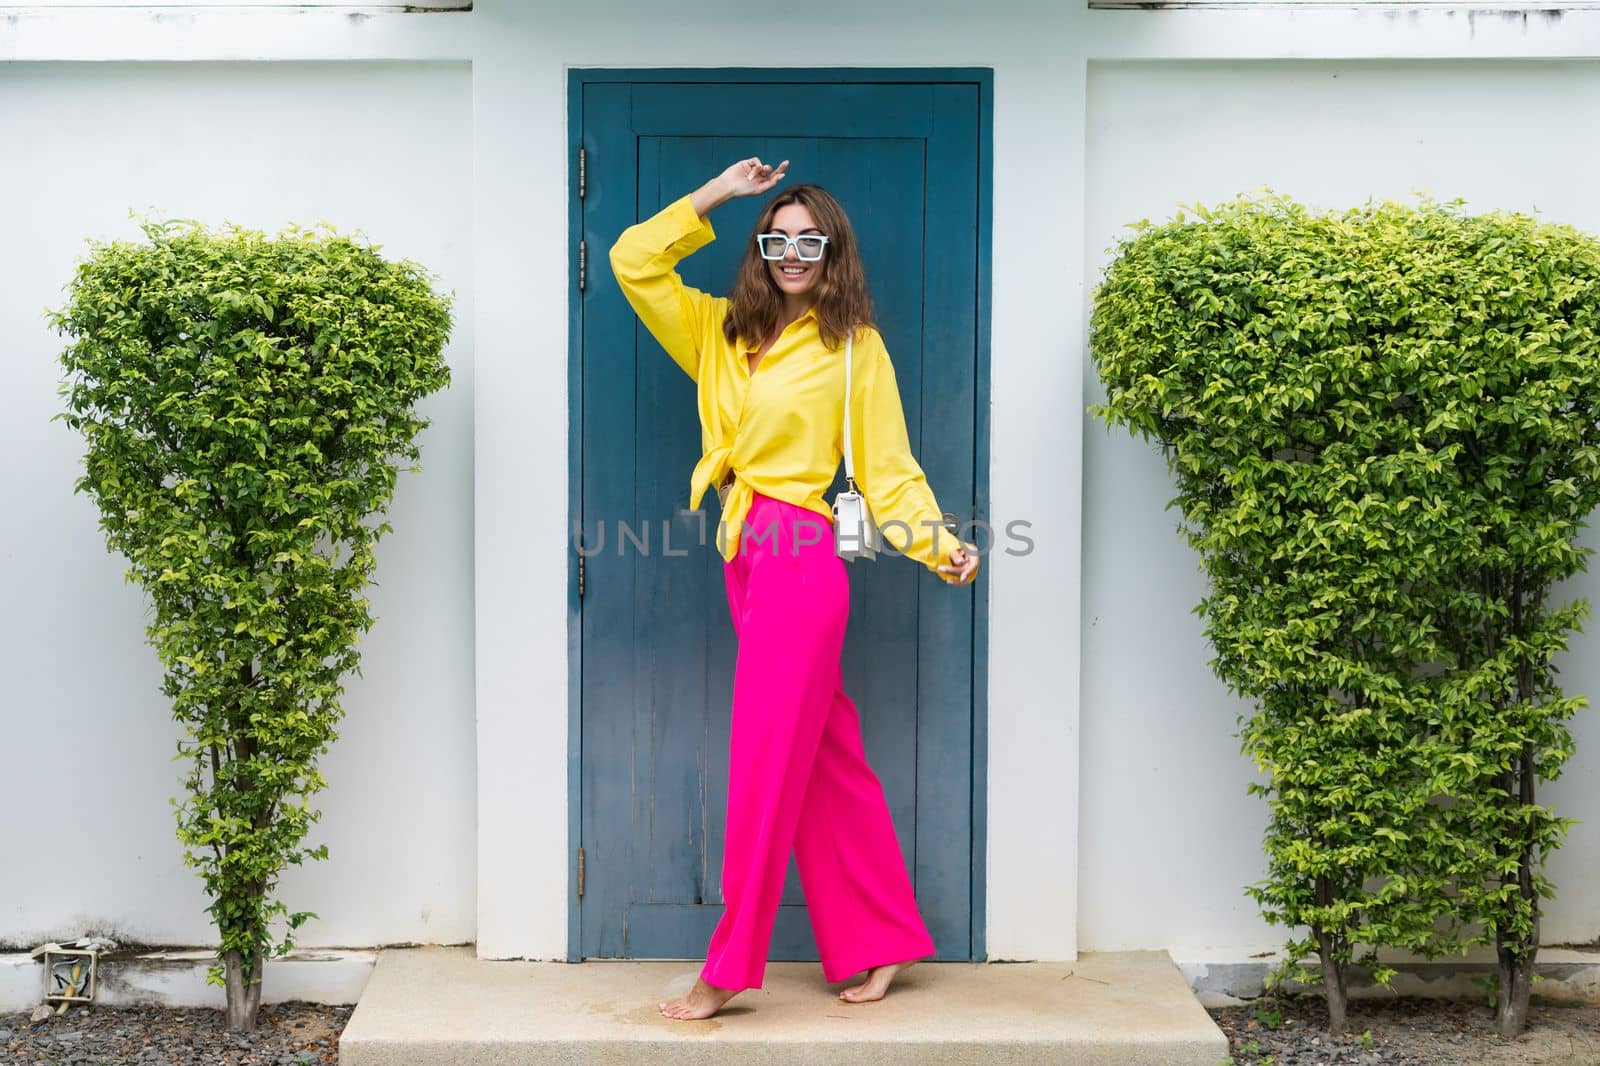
(1382, 425)
(245, 400)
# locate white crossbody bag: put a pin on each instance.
(855, 533)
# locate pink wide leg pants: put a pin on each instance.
(798, 778)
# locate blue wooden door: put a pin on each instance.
(656, 648)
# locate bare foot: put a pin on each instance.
(877, 983)
(702, 1001)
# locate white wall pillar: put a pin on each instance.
(520, 235)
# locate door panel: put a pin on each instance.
(658, 648)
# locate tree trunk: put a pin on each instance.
(1516, 982)
(1333, 971)
(1333, 976)
(1516, 958)
(244, 1000)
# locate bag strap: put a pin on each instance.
(849, 457)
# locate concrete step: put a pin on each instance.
(445, 1007)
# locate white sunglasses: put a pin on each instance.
(808, 246)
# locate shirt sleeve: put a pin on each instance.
(681, 318)
(895, 488)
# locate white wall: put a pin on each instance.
(381, 147)
(1169, 836)
(520, 67)
(1189, 893)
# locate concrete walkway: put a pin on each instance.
(444, 1007)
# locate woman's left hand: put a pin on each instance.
(963, 565)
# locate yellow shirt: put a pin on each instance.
(779, 431)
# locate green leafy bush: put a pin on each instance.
(244, 400)
(1382, 424)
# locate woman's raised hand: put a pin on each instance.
(747, 177)
(752, 177)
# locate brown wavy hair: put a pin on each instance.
(843, 302)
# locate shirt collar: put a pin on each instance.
(810, 312)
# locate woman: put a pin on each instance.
(768, 365)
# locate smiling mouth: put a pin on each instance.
(794, 272)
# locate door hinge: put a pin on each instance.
(583, 263)
(580, 873)
(580, 575)
(583, 173)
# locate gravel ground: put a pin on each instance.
(1293, 1032)
(287, 1034)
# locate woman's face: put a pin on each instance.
(790, 275)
